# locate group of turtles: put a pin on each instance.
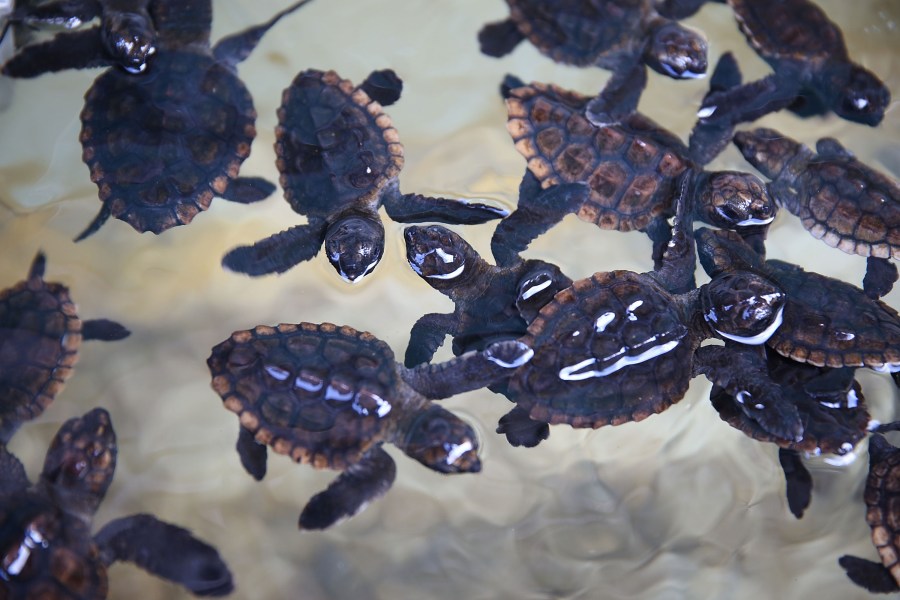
(168, 123)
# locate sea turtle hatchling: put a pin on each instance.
(882, 499)
(160, 145)
(40, 335)
(331, 396)
(624, 36)
(48, 550)
(339, 157)
(631, 167)
(840, 200)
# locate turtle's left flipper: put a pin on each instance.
(81, 49)
(881, 274)
(799, 481)
(500, 38)
(415, 208)
(521, 430)
(236, 47)
(869, 574)
(103, 329)
(246, 190)
(619, 98)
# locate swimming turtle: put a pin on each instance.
(619, 346)
(882, 515)
(47, 547)
(826, 322)
(40, 335)
(631, 167)
(339, 157)
(840, 200)
(812, 70)
(624, 36)
(830, 403)
(331, 397)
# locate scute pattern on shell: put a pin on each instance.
(317, 393)
(602, 318)
(631, 167)
(189, 117)
(882, 498)
(335, 145)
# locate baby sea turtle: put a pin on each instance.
(40, 335)
(882, 498)
(826, 322)
(838, 199)
(624, 36)
(47, 547)
(831, 407)
(339, 157)
(812, 71)
(631, 167)
(331, 396)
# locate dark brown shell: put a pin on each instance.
(795, 30)
(320, 394)
(189, 118)
(40, 334)
(882, 497)
(335, 145)
(593, 324)
(631, 167)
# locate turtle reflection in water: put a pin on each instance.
(47, 547)
(340, 157)
(40, 336)
(331, 397)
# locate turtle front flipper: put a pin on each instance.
(167, 551)
(383, 86)
(277, 253)
(253, 454)
(538, 210)
(236, 47)
(708, 140)
(358, 485)
(426, 336)
(101, 218)
(679, 9)
(66, 50)
(881, 274)
(871, 575)
(12, 472)
(619, 98)
(749, 102)
(104, 330)
(415, 208)
(246, 190)
(521, 430)
(798, 479)
(500, 38)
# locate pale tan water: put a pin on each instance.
(677, 506)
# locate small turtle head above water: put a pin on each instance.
(438, 255)
(857, 94)
(677, 51)
(443, 442)
(732, 200)
(743, 306)
(354, 246)
(129, 38)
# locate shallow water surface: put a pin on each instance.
(677, 506)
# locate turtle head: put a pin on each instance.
(80, 463)
(857, 94)
(354, 246)
(743, 306)
(767, 150)
(442, 441)
(439, 256)
(677, 51)
(129, 38)
(733, 200)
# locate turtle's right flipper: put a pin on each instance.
(81, 49)
(96, 224)
(522, 430)
(277, 253)
(619, 98)
(500, 38)
(426, 336)
(747, 102)
(253, 454)
(104, 330)
(869, 574)
(359, 484)
(12, 472)
(246, 190)
(384, 86)
(881, 274)
(416, 208)
(799, 481)
(708, 140)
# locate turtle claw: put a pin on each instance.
(522, 430)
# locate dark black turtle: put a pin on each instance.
(331, 397)
(830, 404)
(624, 36)
(339, 157)
(882, 498)
(40, 335)
(826, 322)
(47, 550)
(632, 169)
(812, 71)
(840, 200)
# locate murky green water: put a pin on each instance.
(677, 506)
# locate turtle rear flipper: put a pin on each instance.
(351, 491)
(415, 208)
(869, 574)
(166, 551)
(277, 253)
(619, 98)
(66, 50)
(246, 190)
(253, 454)
(384, 86)
(500, 38)
(12, 472)
(798, 479)
(234, 48)
(103, 329)
(881, 274)
(521, 430)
